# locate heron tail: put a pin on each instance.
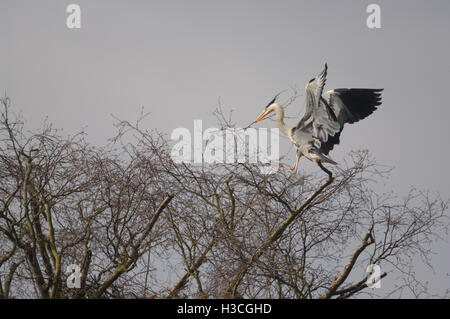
(322, 158)
(328, 160)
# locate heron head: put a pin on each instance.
(268, 109)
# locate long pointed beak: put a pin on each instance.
(261, 116)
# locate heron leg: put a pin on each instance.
(295, 167)
(330, 175)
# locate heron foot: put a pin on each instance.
(294, 169)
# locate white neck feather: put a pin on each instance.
(280, 118)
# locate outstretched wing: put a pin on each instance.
(325, 115)
(314, 89)
(319, 117)
(349, 106)
(352, 105)
(313, 92)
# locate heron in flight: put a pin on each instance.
(325, 115)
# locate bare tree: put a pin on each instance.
(63, 202)
(141, 226)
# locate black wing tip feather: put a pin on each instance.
(325, 69)
(322, 74)
(360, 102)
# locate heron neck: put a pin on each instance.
(280, 119)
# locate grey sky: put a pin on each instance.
(176, 58)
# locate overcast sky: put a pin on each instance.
(177, 58)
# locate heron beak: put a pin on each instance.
(263, 114)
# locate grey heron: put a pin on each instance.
(323, 121)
